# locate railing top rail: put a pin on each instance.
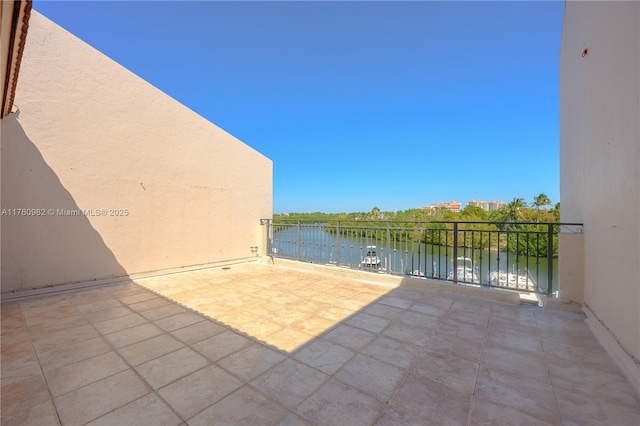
(332, 221)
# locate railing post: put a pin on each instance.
(298, 244)
(338, 243)
(455, 252)
(388, 247)
(549, 259)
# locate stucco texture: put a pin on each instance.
(600, 156)
(89, 134)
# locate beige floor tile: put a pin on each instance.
(16, 372)
(601, 381)
(147, 350)
(137, 297)
(20, 398)
(581, 408)
(335, 313)
(392, 351)
(394, 416)
(164, 370)
(132, 335)
(490, 413)
(287, 316)
(100, 305)
(221, 345)
(384, 311)
(417, 319)
(68, 336)
(178, 321)
(368, 322)
(162, 311)
(149, 304)
(43, 414)
(121, 323)
(107, 314)
(340, 404)
(249, 363)
(148, 410)
(462, 330)
(324, 356)
(533, 360)
(243, 407)
(18, 361)
(314, 325)
(350, 337)
(532, 397)
(407, 333)
(509, 339)
(198, 331)
(82, 373)
(289, 382)
(59, 327)
(260, 328)
(197, 391)
(396, 302)
(49, 314)
(433, 310)
(376, 378)
(470, 350)
(469, 317)
(287, 339)
(456, 373)
(99, 398)
(435, 402)
(526, 364)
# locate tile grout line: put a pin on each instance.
(408, 370)
(131, 367)
(475, 385)
(44, 377)
(546, 364)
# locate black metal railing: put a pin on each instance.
(519, 256)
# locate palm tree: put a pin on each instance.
(513, 210)
(375, 213)
(555, 211)
(540, 201)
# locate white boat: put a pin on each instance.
(371, 260)
(466, 271)
(516, 280)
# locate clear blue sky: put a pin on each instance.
(359, 104)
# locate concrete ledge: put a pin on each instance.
(629, 366)
(495, 295)
(58, 288)
(561, 305)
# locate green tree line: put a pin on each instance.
(499, 229)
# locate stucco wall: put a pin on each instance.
(600, 156)
(89, 134)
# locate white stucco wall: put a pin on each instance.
(600, 157)
(90, 134)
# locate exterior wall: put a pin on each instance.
(89, 134)
(600, 158)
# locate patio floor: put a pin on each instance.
(258, 344)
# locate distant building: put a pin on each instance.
(486, 205)
(454, 206)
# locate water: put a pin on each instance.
(419, 259)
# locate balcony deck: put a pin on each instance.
(258, 344)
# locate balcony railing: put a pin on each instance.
(518, 256)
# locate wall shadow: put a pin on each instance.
(47, 247)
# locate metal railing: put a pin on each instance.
(518, 256)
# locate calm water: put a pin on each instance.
(312, 244)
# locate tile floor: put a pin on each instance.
(257, 344)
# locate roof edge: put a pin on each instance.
(19, 28)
